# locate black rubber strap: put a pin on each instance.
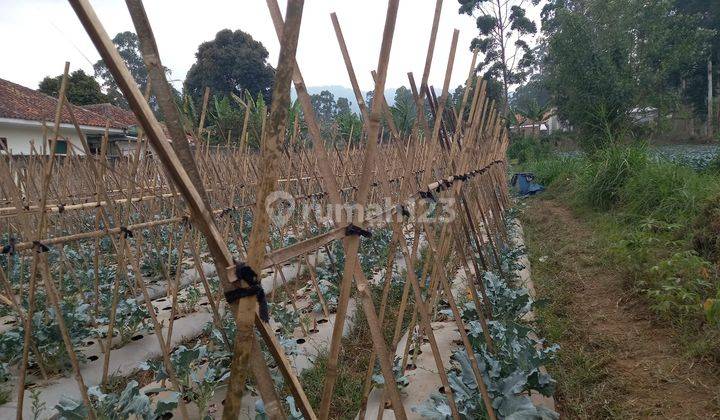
(40, 247)
(10, 247)
(244, 272)
(126, 232)
(427, 195)
(353, 230)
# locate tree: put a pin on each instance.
(696, 84)
(233, 62)
(343, 106)
(503, 24)
(128, 46)
(606, 57)
(82, 89)
(533, 92)
(404, 110)
(324, 106)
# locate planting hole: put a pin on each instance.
(300, 341)
(322, 321)
(415, 352)
(90, 343)
(278, 330)
(137, 337)
(93, 358)
(441, 390)
(10, 322)
(314, 330)
(411, 366)
(167, 308)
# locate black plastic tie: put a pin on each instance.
(10, 247)
(427, 195)
(126, 232)
(254, 289)
(353, 230)
(40, 247)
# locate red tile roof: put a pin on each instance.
(19, 102)
(113, 112)
(127, 117)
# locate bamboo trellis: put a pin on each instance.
(197, 204)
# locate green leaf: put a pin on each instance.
(71, 409)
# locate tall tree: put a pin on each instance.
(324, 106)
(233, 62)
(504, 33)
(82, 89)
(128, 46)
(404, 110)
(343, 106)
(698, 86)
(606, 57)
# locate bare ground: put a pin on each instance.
(616, 360)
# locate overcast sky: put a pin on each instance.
(40, 35)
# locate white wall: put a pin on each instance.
(20, 134)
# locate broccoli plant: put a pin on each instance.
(131, 402)
(130, 319)
(512, 370)
(192, 297)
(199, 374)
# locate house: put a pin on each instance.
(126, 146)
(27, 119)
(119, 146)
(549, 123)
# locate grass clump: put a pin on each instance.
(608, 171)
(661, 221)
(667, 191)
(523, 149)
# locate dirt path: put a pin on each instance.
(616, 362)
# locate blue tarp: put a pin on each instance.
(524, 183)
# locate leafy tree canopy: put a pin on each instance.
(606, 57)
(82, 89)
(128, 45)
(504, 30)
(233, 62)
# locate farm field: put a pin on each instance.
(176, 270)
(428, 209)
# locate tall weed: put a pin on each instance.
(608, 171)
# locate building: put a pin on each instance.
(27, 119)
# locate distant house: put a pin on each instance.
(27, 119)
(549, 123)
(126, 146)
(119, 146)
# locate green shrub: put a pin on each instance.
(525, 149)
(706, 230)
(608, 171)
(667, 192)
(558, 169)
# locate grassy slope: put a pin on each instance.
(615, 360)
